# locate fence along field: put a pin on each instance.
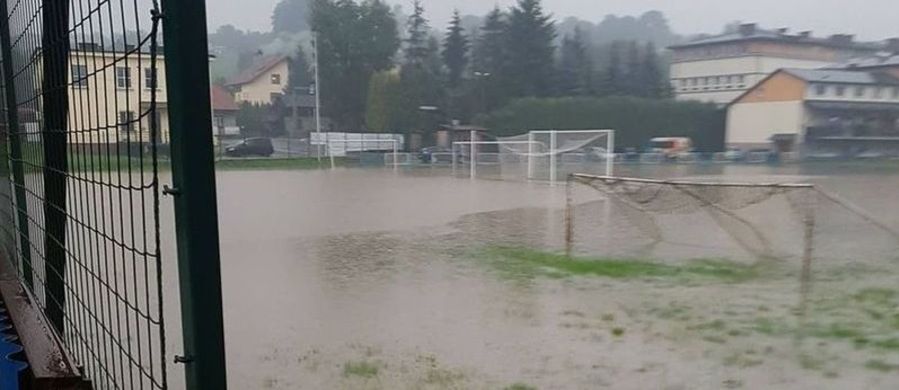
(86, 109)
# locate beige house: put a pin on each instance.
(110, 94)
(263, 82)
(836, 112)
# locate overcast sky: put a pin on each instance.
(869, 19)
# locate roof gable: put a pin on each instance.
(258, 69)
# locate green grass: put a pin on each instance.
(532, 262)
(880, 365)
(361, 369)
(520, 386)
(302, 163)
(99, 161)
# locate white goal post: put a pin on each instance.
(534, 148)
(555, 150)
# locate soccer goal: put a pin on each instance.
(543, 154)
(782, 225)
(547, 152)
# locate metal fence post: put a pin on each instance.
(55, 101)
(193, 175)
(15, 148)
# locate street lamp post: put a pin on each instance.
(483, 77)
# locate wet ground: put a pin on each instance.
(374, 279)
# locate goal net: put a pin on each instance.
(742, 221)
(540, 154)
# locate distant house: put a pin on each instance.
(224, 113)
(262, 83)
(720, 68)
(819, 112)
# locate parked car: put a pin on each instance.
(425, 154)
(251, 147)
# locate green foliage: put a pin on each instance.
(529, 39)
(300, 75)
(385, 97)
(291, 16)
(251, 118)
(636, 120)
(355, 40)
(455, 51)
(575, 66)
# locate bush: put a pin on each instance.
(636, 120)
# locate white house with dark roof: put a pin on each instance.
(818, 111)
(263, 82)
(720, 68)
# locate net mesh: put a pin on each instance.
(748, 221)
(85, 117)
(821, 270)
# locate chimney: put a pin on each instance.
(747, 29)
(805, 34)
(892, 45)
(782, 31)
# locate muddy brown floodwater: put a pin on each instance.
(373, 279)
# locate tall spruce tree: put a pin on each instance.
(575, 66)
(530, 55)
(635, 81)
(656, 85)
(455, 51)
(613, 80)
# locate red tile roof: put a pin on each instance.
(222, 99)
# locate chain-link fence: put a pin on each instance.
(85, 113)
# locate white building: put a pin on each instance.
(720, 68)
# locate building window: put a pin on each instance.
(841, 90)
(859, 91)
(741, 80)
(79, 76)
(126, 121)
(878, 92)
(150, 80)
(276, 78)
(821, 90)
(895, 92)
(123, 77)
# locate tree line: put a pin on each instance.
(376, 73)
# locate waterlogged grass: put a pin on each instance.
(527, 262)
(361, 369)
(302, 163)
(520, 386)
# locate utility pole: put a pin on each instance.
(318, 115)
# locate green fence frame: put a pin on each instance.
(193, 174)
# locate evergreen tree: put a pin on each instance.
(455, 51)
(530, 61)
(656, 83)
(489, 52)
(575, 66)
(635, 82)
(300, 75)
(613, 82)
(416, 50)
(291, 16)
